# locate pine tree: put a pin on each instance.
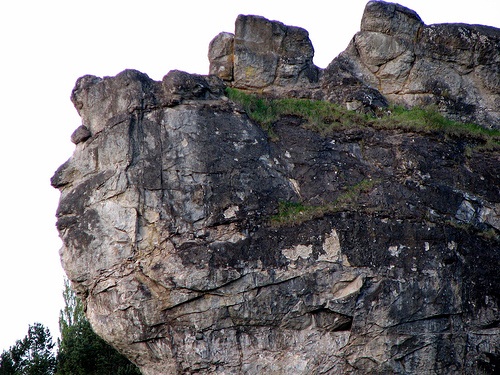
(32, 355)
(81, 351)
(7, 366)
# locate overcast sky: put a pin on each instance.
(45, 45)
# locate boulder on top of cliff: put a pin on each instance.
(264, 55)
(455, 67)
(394, 58)
(221, 56)
(391, 19)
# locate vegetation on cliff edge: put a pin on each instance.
(292, 213)
(326, 118)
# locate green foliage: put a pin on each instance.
(81, 351)
(7, 366)
(320, 116)
(33, 355)
(259, 109)
(293, 213)
(351, 194)
(430, 120)
(73, 313)
(327, 118)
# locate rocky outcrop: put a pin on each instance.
(453, 66)
(166, 214)
(395, 58)
(199, 246)
(265, 55)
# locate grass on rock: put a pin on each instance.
(293, 213)
(326, 118)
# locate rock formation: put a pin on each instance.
(395, 57)
(263, 54)
(167, 207)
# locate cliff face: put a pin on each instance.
(189, 235)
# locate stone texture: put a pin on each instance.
(452, 66)
(271, 53)
(167, 205)
(265, 55)
(395, 58)
(81, 134)
(165, 215)
(221, 56)
(417, 65)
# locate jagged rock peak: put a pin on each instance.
(455, 67)
(394, 58)
(389, 18)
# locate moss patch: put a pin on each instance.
(293, 213)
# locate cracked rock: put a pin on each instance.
(169, 203)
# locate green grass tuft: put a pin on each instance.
(293, 213)
(326, 118)
(321, 116)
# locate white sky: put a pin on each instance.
(46, 45)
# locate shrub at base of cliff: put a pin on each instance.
(81, 351)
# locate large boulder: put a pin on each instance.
(454, 67)
(264, 55)
(221, 56)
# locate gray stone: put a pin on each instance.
(166, 217)
(168, 210)
(390, 19)
(265, 55)
(450, 66)
(81, 134)
(395, 58)
(221, 56)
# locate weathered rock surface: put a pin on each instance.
(166, 216)
(395, 57)
(453, 66)
(266, 56)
